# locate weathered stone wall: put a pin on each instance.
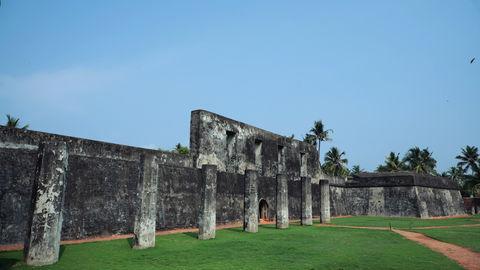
(17, 172)
(230, 197)
(380, 201)
(102, 195)
(267, 191)
(441, 202)
(338, 201)
(234, 147)
(295, 199)
(472, 205)
(178, 197)
(396, 194)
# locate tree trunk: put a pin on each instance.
(319, 158)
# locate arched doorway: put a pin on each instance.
(263, 210)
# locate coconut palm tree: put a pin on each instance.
(456, 174)
(356, 170)
(13, 122)
(420, 160)
(310, 139)
(335, 163)
(469, 159)
(321, 134)
(392, 163)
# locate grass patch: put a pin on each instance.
(403, 222)
(468, 237)
(295, 248)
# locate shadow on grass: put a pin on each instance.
(236, 229)
(60, 254)
(268, 227)
(191, 234)
(130, 242)
(7, 263)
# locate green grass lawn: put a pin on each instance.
(295, 248)
(468, 237)
(403, 223)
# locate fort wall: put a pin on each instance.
(102, 180)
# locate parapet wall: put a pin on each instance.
(396, 194)
(101, 194)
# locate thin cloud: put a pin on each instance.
(61, 88)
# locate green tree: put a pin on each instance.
(468, 159)
(456, 174)
(310, 139)
(469, 162)
(420, 161)
(321, 134)
(13, 122)
(356, 170)
(393, 163)
(179, 148)
(335, 163)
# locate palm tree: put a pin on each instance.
(356, 170)
(420, 161)
(456, 174)
(13, 122)
(321, 134)
(392, 164)
(310, 139)
(335, 163)
(471, 182)
(468, 159)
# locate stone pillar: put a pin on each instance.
(250, 222)
(324, 201)
(307, 201)
(43, 244)
(207, 215)
(282, 202)
(146, 212)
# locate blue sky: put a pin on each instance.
(384, 75)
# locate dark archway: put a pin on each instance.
(263, 210)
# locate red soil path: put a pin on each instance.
(465, 257)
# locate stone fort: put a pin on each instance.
(55, 187)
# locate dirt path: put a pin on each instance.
(466, 258)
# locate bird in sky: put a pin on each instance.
(471, 61)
